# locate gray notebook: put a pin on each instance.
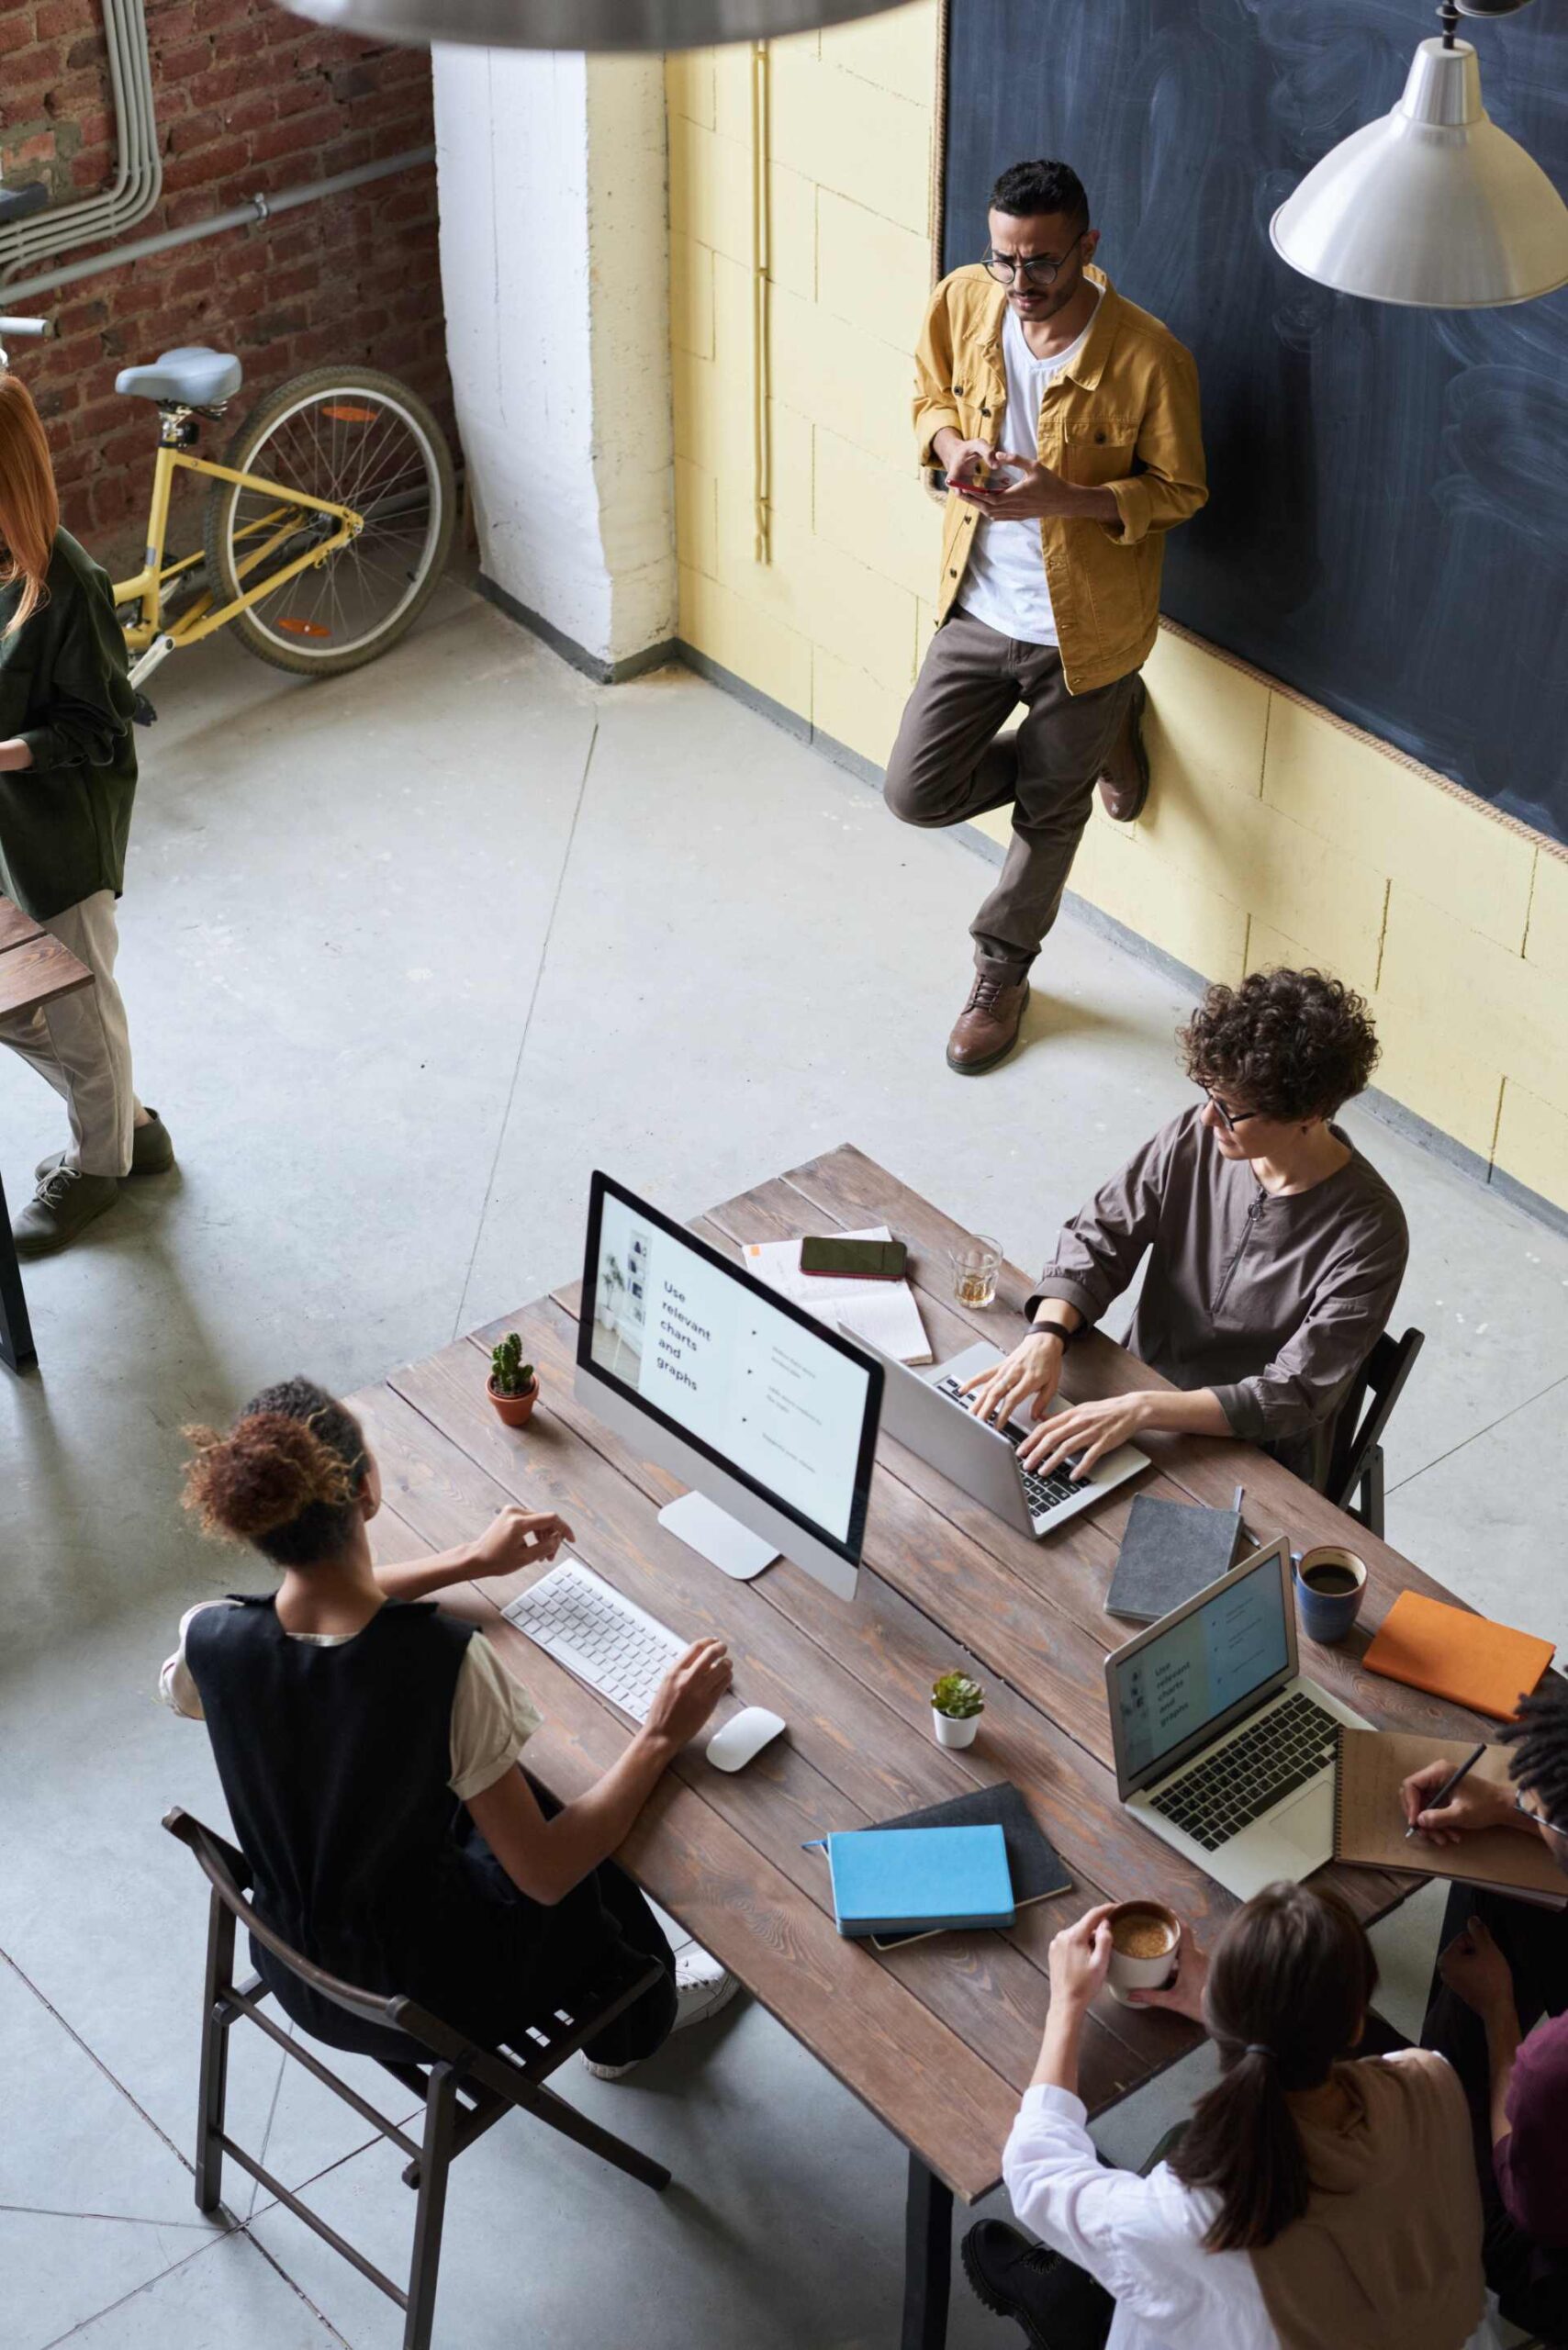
(1169, 1550)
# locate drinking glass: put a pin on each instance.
(976, 1264)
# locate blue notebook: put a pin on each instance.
(910, 1880)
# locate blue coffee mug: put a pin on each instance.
(1327, 1616)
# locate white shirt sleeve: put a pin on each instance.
(175, 1685)
(493, 1717)
(1140, 2238)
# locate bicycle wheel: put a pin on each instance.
(363, 439)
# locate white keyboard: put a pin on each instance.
(585, 1624)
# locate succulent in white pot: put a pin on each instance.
(956, 1704)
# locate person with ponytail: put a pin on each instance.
(1313, 2202)
(369, 1746)
(67, 782)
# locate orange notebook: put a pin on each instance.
(1469, 1659)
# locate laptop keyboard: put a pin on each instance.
(1043, 1494)
(1250, 1774)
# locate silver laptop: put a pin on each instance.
(1222, 1747)
(932, 1418)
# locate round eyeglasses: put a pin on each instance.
(1037, 269)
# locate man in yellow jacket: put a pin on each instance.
(1066, 420)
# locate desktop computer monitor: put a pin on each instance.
(770, 1417)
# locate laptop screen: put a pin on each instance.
(1180, 1680)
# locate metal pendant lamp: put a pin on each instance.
(581, 24)
(1432, 207)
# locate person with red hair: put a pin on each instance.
(67, 782)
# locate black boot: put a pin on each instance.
(1058, 2306)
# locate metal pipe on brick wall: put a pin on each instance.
(242, 216)
(138, 176)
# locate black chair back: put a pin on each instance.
(1355, 1474)
(403, 2022)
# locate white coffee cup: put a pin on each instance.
(1130, 1971)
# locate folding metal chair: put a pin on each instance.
(465, 2087)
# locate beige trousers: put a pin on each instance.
(82, 1044)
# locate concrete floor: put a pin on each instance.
(406, 955)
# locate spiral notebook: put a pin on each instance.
(1369, 1819)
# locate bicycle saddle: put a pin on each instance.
(193, 376)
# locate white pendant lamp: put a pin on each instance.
(581, 24)
(1433, 205)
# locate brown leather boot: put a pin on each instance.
(987, 1029)
(1123, 778)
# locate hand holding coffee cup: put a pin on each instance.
(1145, 1941)
(1184, 1995)
(1330, 1585)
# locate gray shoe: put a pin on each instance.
(64, 1205)
(151, 1151)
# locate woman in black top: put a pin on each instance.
(67, 781)
(368, 1748)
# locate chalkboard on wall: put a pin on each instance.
(1387, 528)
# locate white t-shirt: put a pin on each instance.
(1004, 585)
(1141, 2238)
(492, 1717)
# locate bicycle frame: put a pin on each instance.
(146, 635)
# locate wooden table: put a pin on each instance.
(938, 2039)
(35, 970)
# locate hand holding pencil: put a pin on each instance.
(1443, 1804)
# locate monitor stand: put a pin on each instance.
(717, 1536)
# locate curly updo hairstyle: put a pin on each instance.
(286, 1478)
(1290, 1044)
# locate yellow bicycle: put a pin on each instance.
(325, 531)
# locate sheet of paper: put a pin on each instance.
(884, 1314)
(890, 1322)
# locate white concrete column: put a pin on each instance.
(554, 253)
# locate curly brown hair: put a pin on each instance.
(284, 1478)
(1288, 1044)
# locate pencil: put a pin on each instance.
(1446, 1790)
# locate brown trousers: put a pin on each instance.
(952, 762)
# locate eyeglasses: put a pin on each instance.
(1038, 269)
(1230, 1119)
(1537, 1817)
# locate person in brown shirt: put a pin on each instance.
(1275, 1249)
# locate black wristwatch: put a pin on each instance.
(1059, 1329)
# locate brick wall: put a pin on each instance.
(247, 99)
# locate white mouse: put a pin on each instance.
(734, 1742)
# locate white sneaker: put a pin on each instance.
(702, 1989)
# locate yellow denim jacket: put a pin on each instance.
(1122, 417)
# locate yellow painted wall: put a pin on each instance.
(1273, 832)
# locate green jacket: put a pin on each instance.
(63, 689)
